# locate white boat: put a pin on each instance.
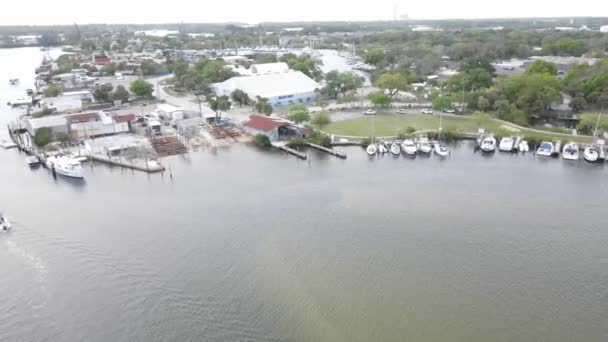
(488, 144)
(545, 149)
(570, 151)
(7, 144)
(382, 148)
(65, 166)
(409, 147)
(424, 145)
(395, 149)
(5, 224)
(523, 146)
(371, 149)
(13, 81)
(506, 144)
(441, 149)
(32, 161)
(591, 153)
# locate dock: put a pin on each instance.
(283, 146)
(328, 150)
(149, 165)
(558, 148)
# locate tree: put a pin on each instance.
(374, 56)
(52, 90)
(476, 63)
(43, 136)
(261, 140)
(305, 63)
(180, 68)
(49, 39)
(298, 113)
(262, 106)
(141, 88)
(392, 82)
(442, 102)
(220, 104)
(120, 94)
(589, 121)
(578, 104)
(102, 92)
(501, 106)
(320, 119)
(542, 67)
(110, 68)
(380, 100)
(340, 83)
(482, 103)
(240, 97)
(151, 68)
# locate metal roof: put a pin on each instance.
(48, 121)
(270, 85)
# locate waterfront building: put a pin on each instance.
(274, 128)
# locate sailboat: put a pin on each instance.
(395, 149)
(372, 149)
(409, 147)
(438, 147)
(591, 153)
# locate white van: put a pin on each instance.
(119, 76)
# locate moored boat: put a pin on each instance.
(591, 153)
(545, 149)
(65, 166)
(424, 145)
(506, 144)
(5, 224)
(488, 144)
(32, 161)
(371, 149)
(382, 148)
(570, 151)
(395, 149)
(409, 147)
(523, 146)
(441, 149)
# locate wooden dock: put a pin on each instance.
(557, 148)
(283, 146)
(150, 166)
(327, 150)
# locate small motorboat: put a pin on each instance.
(523, 146)
(395, 149)
(570, 151)
(409, 147)
(441, 149)
(545, 149)
(32, 161)
(65, 166)
(424, 146)
(29, 92)
(488, 144)
(13, 81)
(382, 148)
(5, 224)
(591, 153)
(506, 144)
(371, 149)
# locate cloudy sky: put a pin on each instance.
(249, 11)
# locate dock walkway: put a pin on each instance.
(283, 146)
(328, 150)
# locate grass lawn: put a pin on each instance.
(395, 124)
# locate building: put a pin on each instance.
(604, 29)
(190, 56)
(68, 101)
(56, 123)
(281, 89)
(234, 59)
(274, 128)
(268, 68)
(101, 59)
(82, 125)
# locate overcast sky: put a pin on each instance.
(33, 12)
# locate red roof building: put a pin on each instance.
(274, 128)
(101, 59)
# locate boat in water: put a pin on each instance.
(7, 144)
(13, 81)
(545, 149)
(506, 144)
(570, 151)
(424, 146)
(32, 161)
(488, 144)
(5, 224)
(65, 166)
(523, 146)
(371, 149)
(409, 147)
(395, 149)
(441, 149)
(591, 153)
(382, 148)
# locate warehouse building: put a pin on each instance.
(280, 88)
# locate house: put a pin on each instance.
(101, 59)
(82, 125)
(274, 128)
(68, 101)
(281, 89)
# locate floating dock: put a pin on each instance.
(328, 150)
(283, 146)
(146, 166)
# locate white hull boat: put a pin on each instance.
(395, 149)
(424, 146)
(441, 149)
(488, 144)
(382, 148)
(408, 147)
(371, 149)
(545, 149)
(570, 151)
(5, 224)
(523, 146)
(591, 154)
(65, 166)
(32, 161)
(506, 144)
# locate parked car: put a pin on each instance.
(401, 111)
(427, 111)
(369, 112)
(119, 76)
(451, 111)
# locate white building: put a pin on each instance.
(68, 101)
(170, 112)
(269, 68)
(604, 29)
(281, 89)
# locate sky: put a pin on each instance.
(43, 12)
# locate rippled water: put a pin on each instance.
(244, 245)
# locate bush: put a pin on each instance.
(52, 90)
(410, 130)
(534, 140)
(43, 136)
(262, 141)
(297, 142)
(366, 141)
(42, 113)
(320, 139)
(401, 135)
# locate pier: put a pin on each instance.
(283, 146)
(558, 148)
(328, 150)
(150, 165)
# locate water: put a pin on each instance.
(244, 245)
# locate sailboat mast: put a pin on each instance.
(596, 125)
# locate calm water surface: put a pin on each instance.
(243, 245)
